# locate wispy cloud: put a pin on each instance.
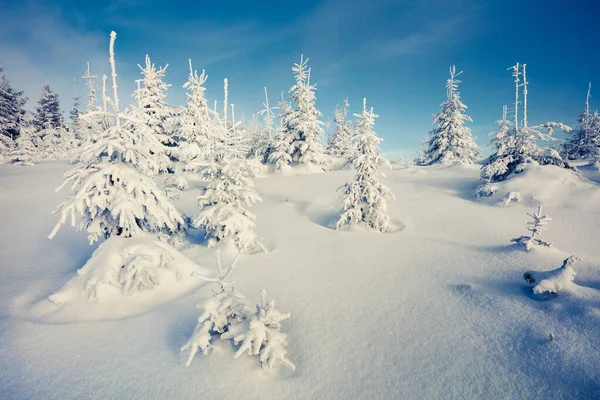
(45, 50)
(421, 40)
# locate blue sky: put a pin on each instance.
(395, 53)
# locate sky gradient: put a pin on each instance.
(394, 53)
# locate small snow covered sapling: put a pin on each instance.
(219, 312)
(228, 316)
(260, 334)
(536, 227)
(510, 197)
(551, 282)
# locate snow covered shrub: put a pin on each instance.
(512, 196)
(224, 213)
(24, 152)
(219, 313)
(114, 193)
(260, 335)
(228, 316)
(124, 267)
(451, 141)
(365, 197)
(536, 227)
(404, 163)
(551, 282)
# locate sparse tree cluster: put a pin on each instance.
(518, 144)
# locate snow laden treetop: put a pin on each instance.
(365, 197)
(451, 141)
(114, 193)
(199, 128)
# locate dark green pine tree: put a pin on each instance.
(47, 113)
(12, 111)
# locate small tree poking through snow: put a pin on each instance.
(536, 226)
(228, 316)
(451, 141)
(365, 197)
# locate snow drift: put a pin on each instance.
(124, 277)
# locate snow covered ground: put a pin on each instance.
(436, 309)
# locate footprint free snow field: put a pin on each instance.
(436, 309)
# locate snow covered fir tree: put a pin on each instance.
(152, 112)
(302, 129)
(24, 151)
(47, 112)
(197, 125)
(451, 141)
(224, 207)
(113, 189)
(365, 199)
(12, 111)
(340, 139)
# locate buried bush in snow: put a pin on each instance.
(124, 267)
(260, 335)
(228, 315)
(550, 282)
(536, 227)
(218, 314)
(512, 196)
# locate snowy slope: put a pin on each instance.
(436, 309)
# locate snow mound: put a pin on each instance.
(551, 282)
(124, 277)
(537, 184)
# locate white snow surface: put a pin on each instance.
(438, 308)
